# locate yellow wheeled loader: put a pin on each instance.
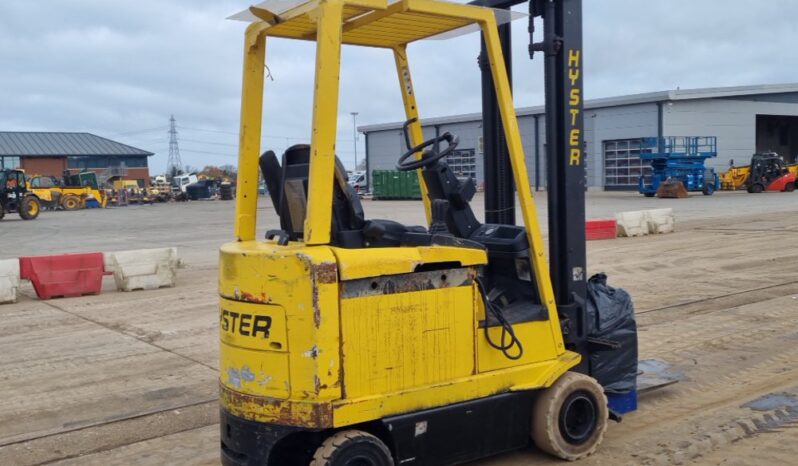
(347, 340)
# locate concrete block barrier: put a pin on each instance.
(660, 221)
(9, 280)
(632, 223)
(143, 269)
(600, 229)
(64, 275)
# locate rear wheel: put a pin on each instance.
(649, 194)
(352, 448)
(70, 202)
(29, 208)
(790, 187)
(570, 417)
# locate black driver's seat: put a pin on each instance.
(287, 184)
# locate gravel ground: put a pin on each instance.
(130, 378)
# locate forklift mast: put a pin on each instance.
(561, 47)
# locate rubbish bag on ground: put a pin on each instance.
(611, 317)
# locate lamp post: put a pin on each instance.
(354, 135)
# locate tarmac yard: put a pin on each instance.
(131, 378)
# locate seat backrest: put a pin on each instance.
(442, 184)
(289, 193)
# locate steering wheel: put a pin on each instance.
(429, 157)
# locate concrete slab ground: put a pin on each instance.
(130, 378)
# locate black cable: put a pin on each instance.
(507, 327)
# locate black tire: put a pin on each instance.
(790, 187)
(29, 208)
(70, 202)
(709, 189)
(2, 212)
(649, 194)
(756, 188)
(352, 447)
(570, 417)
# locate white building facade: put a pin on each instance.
(745, 120)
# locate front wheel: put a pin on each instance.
(709, 189)
(70, 202)
(570, 417)
(29, 208)
(352, 448)
(756, 188)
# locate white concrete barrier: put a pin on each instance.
(9, 280)
(660, 221)
(143, 269)
(632, 223)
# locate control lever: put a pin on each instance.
(281, 235)
(440, 207)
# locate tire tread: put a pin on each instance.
(545, 424)
(324, 454)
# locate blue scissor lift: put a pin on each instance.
(679, 158)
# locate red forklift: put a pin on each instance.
(769, 172)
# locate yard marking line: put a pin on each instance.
(712, 298)
(79, 455)
(114, 421)
(96, 322)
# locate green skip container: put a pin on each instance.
(393, 184)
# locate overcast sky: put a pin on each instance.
(120, 68)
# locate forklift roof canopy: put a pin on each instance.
(374, 23)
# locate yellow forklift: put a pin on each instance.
(354, 341)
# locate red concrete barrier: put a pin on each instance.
(64, 275)
(600, 229)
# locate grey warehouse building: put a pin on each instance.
(744, 119)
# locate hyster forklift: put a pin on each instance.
(355, 341)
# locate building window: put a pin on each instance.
(622, 165)
(9, 162)
(463, 163)
(42, 182)
(93, 161)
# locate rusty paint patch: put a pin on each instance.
(325, 272)
(312, 353)
(403, 283)
(251, 298)
(317, 384)
(316, 309)
(264, 409)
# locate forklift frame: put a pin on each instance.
(329, 39)
(317, 273)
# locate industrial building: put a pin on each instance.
(54, 153)
(744, 119)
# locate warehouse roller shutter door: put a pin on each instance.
(622, 164)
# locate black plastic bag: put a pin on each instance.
(611, 316)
